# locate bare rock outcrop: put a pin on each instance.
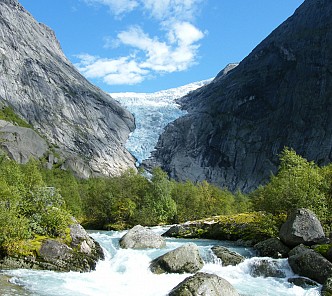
(21, 143)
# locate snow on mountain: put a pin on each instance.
(152, 112)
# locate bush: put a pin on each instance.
(298, 184)
(27, 206)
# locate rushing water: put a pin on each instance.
(126, 272)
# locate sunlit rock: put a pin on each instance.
(204, 284)
(185, 259)
(140, 237)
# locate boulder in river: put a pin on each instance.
(302, 227)
(140, 237)
(204, 284)
(302, 282)
(306, 262)
(226, 256)
(185, 259)
(272, 247)
(266, 268)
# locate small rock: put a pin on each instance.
(272, 247)
(176, 231)
(266, 268)
(185, 259)
(204, 284)
(226, 256)
(302, 282)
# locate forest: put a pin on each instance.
(35, 201)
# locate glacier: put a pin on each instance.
(152, 112)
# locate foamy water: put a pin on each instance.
(126, 272)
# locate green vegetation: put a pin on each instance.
(36, 203)
(130, 199)
(298, 184)
(27, 206)
(253, 226)
(7, 113)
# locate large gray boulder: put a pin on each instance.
(272, 247)
(301, 227)
(204, 284)
(140, 237)
(41, 85)
(227, 256)
(307, 262)
(81, 255)
(185, 259)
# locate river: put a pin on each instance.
(126, 272)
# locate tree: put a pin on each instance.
(298, 183)
(164, 206)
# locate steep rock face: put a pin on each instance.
(21, 143)
(43, 87)
(280, 95)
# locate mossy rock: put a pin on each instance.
(75, 251)
(254, 227)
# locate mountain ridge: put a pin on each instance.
(40, 84)
(279, 95)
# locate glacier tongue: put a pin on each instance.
(152, 112)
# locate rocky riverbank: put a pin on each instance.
(77, 252)
(300, 238)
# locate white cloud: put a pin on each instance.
(174, 50)
(117, 7)
(171, 9)
(123, 70)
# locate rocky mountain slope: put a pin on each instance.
(84, 125)
(280, 95)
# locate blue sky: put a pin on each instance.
(150, 45)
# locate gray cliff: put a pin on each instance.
(279, 95)
(44, 88)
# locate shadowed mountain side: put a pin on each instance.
(280, 95)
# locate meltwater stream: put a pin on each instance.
(126, 272)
